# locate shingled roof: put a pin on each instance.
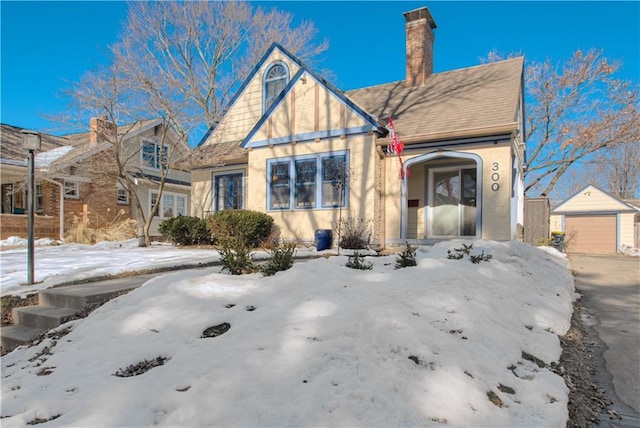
(218, 154)
(470, 98)
(11, 148)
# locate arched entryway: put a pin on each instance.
(443, 197)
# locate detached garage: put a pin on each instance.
(595, 222)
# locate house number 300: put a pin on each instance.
(495, 176)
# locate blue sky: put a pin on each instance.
(47, 45)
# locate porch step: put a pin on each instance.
(13, 336)
(58, 305)
(85, 296)
(42, 317)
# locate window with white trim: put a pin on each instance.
(171, 205)
(228, 191)
(122, 195)
(275, 80)
(317, 181)
(71, 189)
(39, 199)
(154, 155)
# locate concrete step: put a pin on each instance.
(59, 304)
(42, 317)
(13, 336)
(85, 296)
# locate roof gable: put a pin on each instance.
(275, 50)
(83, 149)
(295, 114)
(591, 199)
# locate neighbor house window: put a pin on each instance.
(71, 189)
(7, 198)
(275, 79)
(154, 155)
(39, 199)
(122, 195)
(228, 191)
(320, 182)
(171, 205)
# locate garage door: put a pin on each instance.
(590, 234)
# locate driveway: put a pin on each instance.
(610, 287)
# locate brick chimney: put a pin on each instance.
(420, 37)
(100, 129)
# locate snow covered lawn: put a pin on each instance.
(447, 342)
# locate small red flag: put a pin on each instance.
(395, 147)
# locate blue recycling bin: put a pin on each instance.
(324, 239)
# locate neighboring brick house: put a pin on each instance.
(68, 166)
(294, 146)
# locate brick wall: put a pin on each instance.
(100, 197)
(17, 225)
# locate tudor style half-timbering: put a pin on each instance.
(296, 147)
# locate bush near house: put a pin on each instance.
(184, 230)
(281, 258)
(252, 227)
(407, 258)
(354, 233)
(235, 255)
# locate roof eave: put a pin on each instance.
(484, 131)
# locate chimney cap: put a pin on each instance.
(420, 13)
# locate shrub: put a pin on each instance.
(235, 256)
(252, 227)
(465, 250)
(356, 261)
(354, 234)
(406, 258)
(281, 258)
(183, 230)
(475, 259)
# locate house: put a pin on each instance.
(296, 147)
(596, 222)
(69, 181)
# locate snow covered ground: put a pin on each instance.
(446, 343)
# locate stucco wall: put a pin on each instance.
(496, 190)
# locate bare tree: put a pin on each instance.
(106, 95)
(574, 111)
(180, 61)
(190, 57)
(620, 166)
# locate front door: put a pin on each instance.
(452, 202)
